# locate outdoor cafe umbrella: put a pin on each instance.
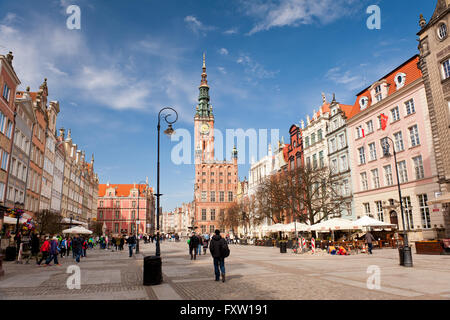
(334, 224)
(77, 230)
(297, 226)
(367, 221)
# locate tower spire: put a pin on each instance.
(204, 108)
(204, 75)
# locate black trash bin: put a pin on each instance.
(402, 256)
(10, 253)
(283, 247)
(152, 271)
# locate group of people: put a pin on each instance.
(55, 246)
(218, 248)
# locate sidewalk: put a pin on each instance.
(261, 273)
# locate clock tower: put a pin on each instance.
(204, 123)
(215, 184)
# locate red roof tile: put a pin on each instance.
(122, 190)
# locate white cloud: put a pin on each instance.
(231, 31)
(344, 78)
(254, 68)
(223, 51)
(197, 26)
(222, 70)
(280, 13)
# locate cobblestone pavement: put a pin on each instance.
(252, 273)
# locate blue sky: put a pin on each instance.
(267, 64)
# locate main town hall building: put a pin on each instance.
(215, 181)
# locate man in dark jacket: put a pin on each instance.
(369, 238)
(193, 245)
(131, 241)
(35, 245)
(76, 247)
(217, 247)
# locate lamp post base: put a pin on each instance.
(407, 257)
(137, 245)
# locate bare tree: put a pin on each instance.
(310, 195)
(269, 200)
(48, 222)
(96, 227)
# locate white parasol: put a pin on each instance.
(77, 230)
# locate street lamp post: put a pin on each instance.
(169, 131)
(71, 217)
(407, 256)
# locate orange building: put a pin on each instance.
(123, 207)
(215, 181)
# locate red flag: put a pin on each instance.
(362, 131)
(384, 120)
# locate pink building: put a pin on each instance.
(400, 95)
(125, 208)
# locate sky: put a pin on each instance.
(267, 63)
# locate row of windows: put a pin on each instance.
(21, 141)
(314, 161)
(213, 196)
(213, 173)
(399, 145)
(212, 228)
(419, 173)
(395, 116)
(212, 181)
(19, 170)
(212, 214)
(408, 212)
(313, 140)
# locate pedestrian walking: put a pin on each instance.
(35, 245)
(69, 246)
(205, 245)
(193, 245)
(200, 243)
(219, 251)
(131, 241)
(84, 246)
(122, 242)
(63, 247)
(53, 254)
(76, 247)
(45, 251)
(369, 238)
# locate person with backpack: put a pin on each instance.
(63, 247)
(45, 251)
(193, 245)
(200, 244)
(219, 251)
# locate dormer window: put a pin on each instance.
(363, 103)
(442, 31)
(400, 80)
(378, 95)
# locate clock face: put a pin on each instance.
(204, 129)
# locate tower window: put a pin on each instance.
(442, 31)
